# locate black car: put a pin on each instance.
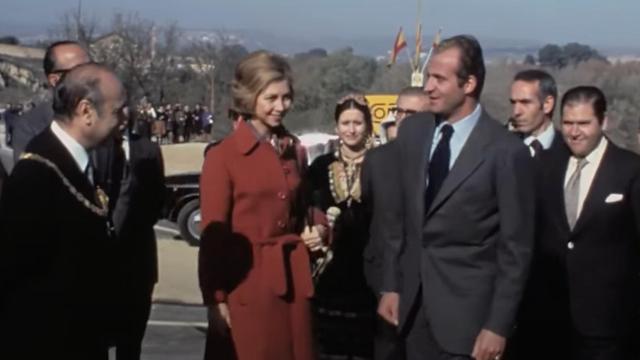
(182, 204)
(183, 195)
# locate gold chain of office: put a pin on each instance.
(103, 199)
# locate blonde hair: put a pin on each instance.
(253, 74)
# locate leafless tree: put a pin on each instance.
(143, 53)
(76, 25)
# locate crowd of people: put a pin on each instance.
(174, 123)
(163, 123)
(458, 238)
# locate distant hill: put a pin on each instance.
(373, 46)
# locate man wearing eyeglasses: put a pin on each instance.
(379, 192)
(411, 100)
(59, 58)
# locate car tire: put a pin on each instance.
(189, 222)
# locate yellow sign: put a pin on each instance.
(380, 104)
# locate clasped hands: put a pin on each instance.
(314, 237)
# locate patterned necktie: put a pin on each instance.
(572, 193)
(439, 165)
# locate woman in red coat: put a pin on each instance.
(254, 264)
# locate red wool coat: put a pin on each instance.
(251, 255)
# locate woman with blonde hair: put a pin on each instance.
(254, 266)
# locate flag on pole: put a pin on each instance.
(436, 39)
(418, 46)
(398, 45)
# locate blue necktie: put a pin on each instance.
(438, 166)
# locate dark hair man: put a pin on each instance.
(585, 275)
(533, 99)
(59, 58)
(410, 100)
(457, 257)
(54, 261)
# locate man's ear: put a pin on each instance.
(605, 123)
(470, 85)
(85, 111)
(53, 79)
(548, 104)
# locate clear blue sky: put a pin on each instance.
(599, 23)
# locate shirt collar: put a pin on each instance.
(77, 151)
(596, 155)
(545, 138)
(462, 128)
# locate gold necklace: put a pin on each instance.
(103, 199)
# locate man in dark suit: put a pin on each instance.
(467, 194)
(380, 192)
(533, 99)
(53, 221)
(134, 178)
(59, 58)
(587, 263)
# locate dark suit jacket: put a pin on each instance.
(558, 141)
(597, 282)
(137, 192)
(380, 192)
(29, 125)
(470, 251)
(53, 260)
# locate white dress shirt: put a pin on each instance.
(545, 138)
(588, 172)
(461, 131)
(77, 151)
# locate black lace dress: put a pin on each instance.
(344, 306)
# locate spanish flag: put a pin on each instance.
(399, 44)
(416, 59)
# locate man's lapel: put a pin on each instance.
(472, 155)
(600, 188)
(420, 140)
(558, 161)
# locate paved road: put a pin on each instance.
(175, 332)
(177, 328)
(178, 267)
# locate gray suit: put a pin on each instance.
(467, 256)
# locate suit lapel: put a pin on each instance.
(558, 164)
(422, 141)
(604, 177)
(471, 156)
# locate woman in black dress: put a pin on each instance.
(344, 307)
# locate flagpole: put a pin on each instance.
(433, 44)
(413, 67)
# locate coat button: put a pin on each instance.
(282, 195)
(281, 224)
(570, 245)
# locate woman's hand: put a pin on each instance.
(219, 317)
(312, 237)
